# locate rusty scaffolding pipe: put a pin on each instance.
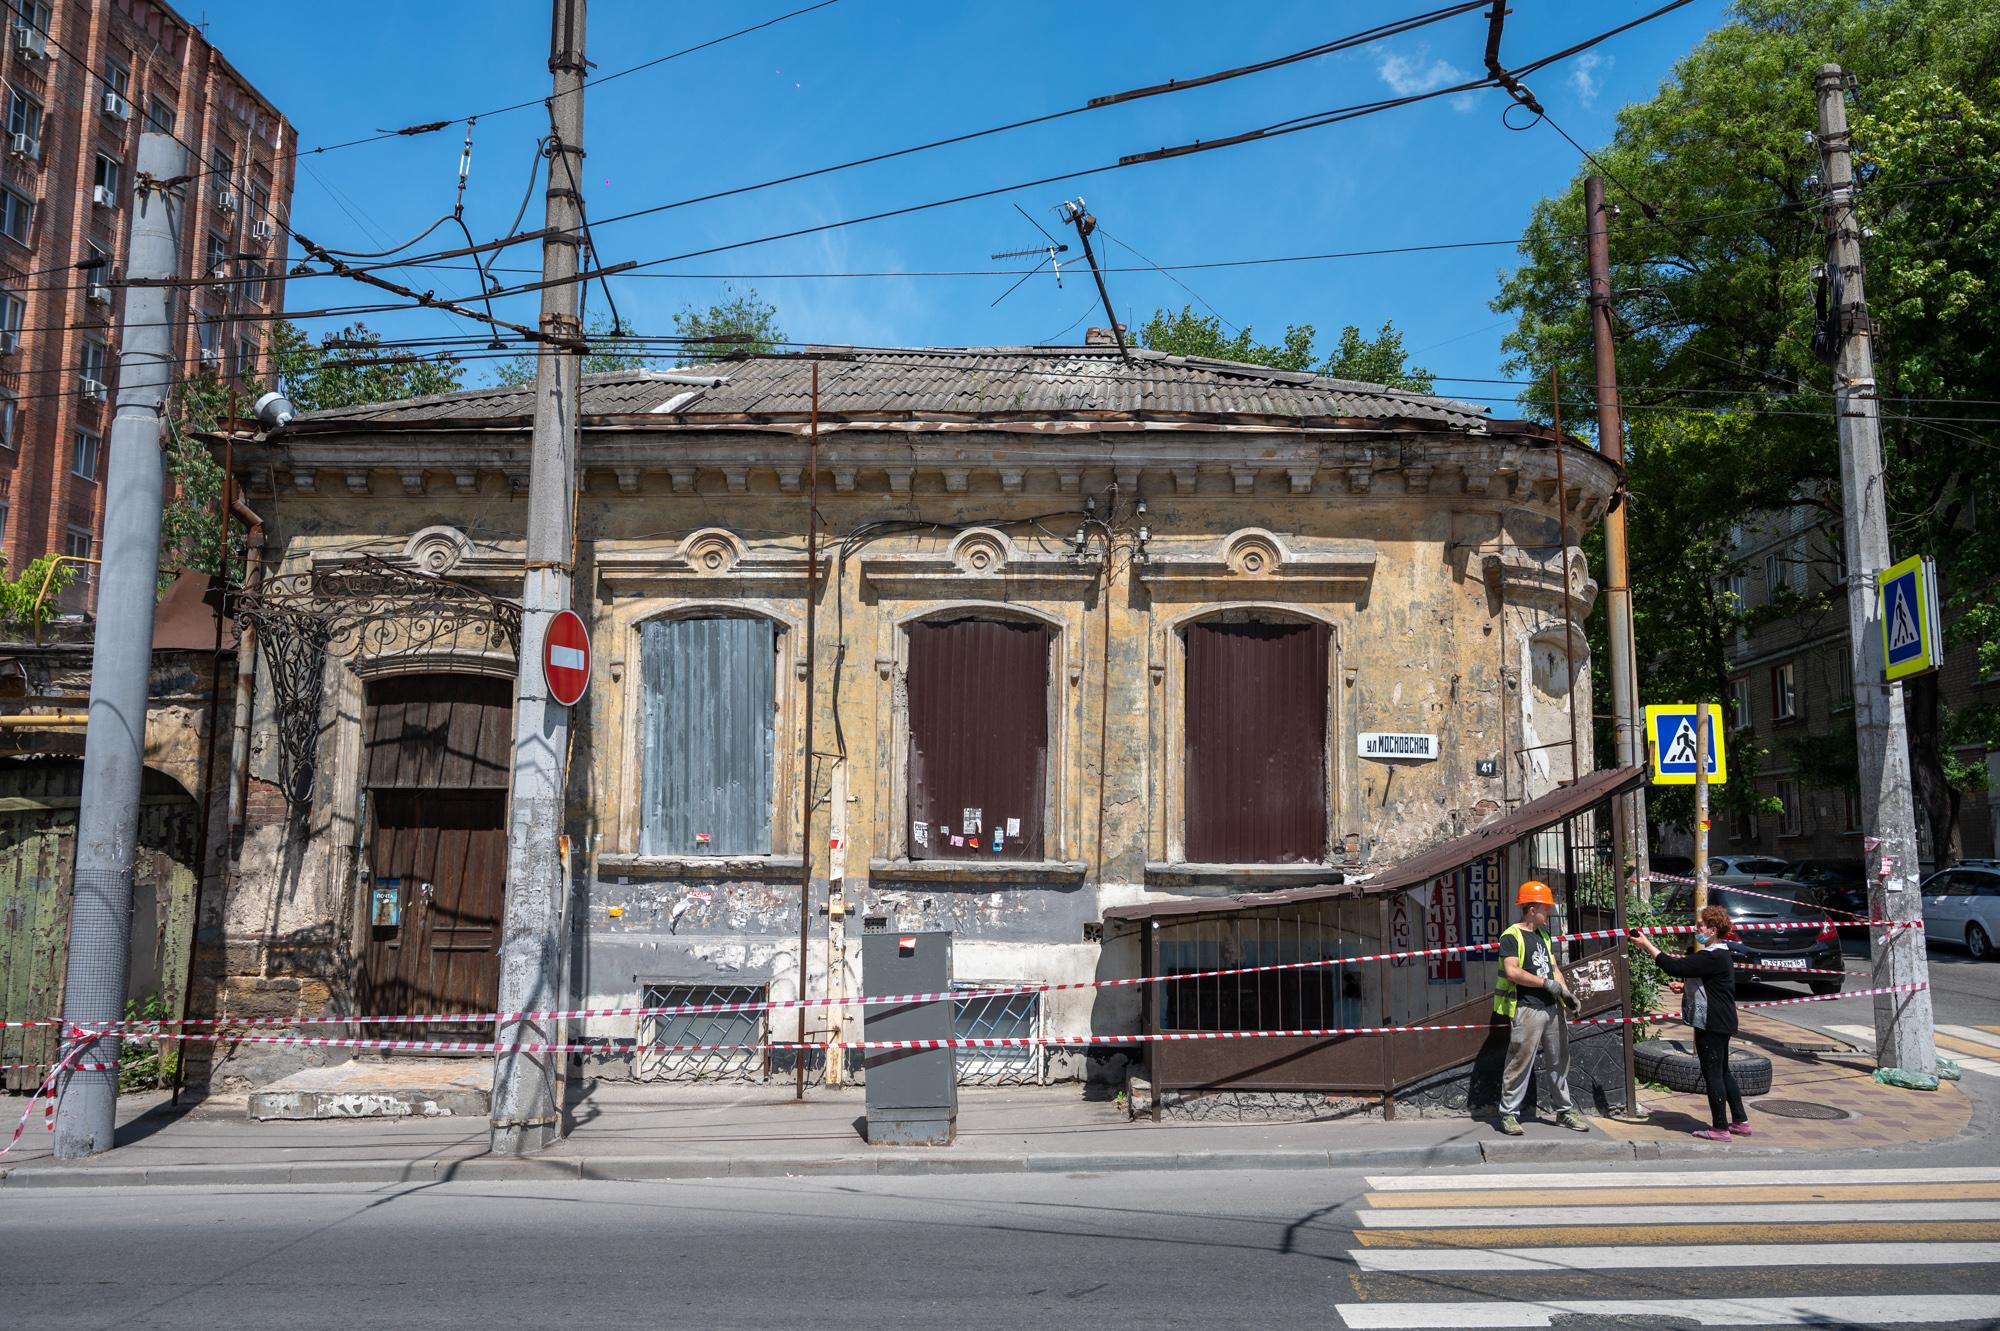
(1569, 621)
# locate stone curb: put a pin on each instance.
(637, 1169)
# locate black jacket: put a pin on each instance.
(1708, 1002)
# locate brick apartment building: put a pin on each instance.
(80, 80)
(1791, 681)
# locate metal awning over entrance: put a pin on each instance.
(1454, 896)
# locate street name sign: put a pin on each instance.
(1386, 744)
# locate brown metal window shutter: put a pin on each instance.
(1256, 743)
(979, 736)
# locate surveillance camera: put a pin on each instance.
(274, 411)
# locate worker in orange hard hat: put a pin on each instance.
(1532, 994)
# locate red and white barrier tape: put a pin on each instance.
(84, 1039)
(789, 1004)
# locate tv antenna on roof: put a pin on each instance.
(1074, 215)
(1048, 252)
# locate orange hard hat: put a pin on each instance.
(1534, 890)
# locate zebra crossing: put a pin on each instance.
(1708, 1247)
(1973, 1048)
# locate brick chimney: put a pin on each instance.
(1101, 337)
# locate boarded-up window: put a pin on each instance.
(979, 739)
(1256, 743)
(710, 705)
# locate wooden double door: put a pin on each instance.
(434, 889)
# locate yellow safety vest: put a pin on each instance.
(1507, 994)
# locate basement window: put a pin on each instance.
(653, 1063)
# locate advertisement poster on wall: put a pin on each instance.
(1441, 929)
(1484, 918)
(1401, 936)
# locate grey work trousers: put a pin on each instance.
(1537, 1030)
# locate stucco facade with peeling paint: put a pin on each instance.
(1116, 509)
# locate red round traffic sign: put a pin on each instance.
(566, 658)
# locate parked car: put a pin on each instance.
(1813, 944)
(1678, 865)
(1768, 865)
(1962, 905)
(1841, 884)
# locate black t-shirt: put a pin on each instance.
(1538, 961)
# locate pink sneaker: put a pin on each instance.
(1740, 1129)
(1713, 1134)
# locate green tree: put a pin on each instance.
(740, 321)
(1713, 263)
(1377, 360)
(22, 603)
(341, 369)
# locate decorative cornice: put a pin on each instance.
(1252, 556)
(979, 562)
(1518, 578)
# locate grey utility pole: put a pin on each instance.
(1903, 1036)
(1629, 809)
(526, 1117)
(121, 658)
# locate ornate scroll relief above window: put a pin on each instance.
(979, 562)
(1331, 569)
(359, 606)
(1517, 578)
(437, 550)
(708, 562)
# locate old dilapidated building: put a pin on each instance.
(1089, 631)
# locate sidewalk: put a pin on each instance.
(642, 1132)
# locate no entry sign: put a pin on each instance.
(566, 658)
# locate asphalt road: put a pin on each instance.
(1964, 992)
(1615, 1246)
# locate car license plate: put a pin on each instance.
(1786, 963)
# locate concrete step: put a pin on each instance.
(413, 1088)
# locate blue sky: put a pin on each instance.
(864, 76)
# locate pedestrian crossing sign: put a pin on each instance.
(1910, 620)
(1670, 738)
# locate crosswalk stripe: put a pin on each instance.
(1880, 1192)
(1967, 1055)
(1678, 1236)
(1974, 1034)
(1697, 1256)
(1840, 1311)
(1673, 1178)
(1446, 1217)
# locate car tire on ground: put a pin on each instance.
(1672, 1063)
(1977, 943)
(1825, 987)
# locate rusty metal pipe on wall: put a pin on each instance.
(246, 663)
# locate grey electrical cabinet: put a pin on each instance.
(912, 1093)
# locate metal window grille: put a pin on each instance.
(702, 1028)
(999, 1016)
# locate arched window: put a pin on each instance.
(1256, 728)
(707, 732)
(979, 739)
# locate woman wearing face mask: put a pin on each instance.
(1708, 1003)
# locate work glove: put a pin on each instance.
(1563, 995)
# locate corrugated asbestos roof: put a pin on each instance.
(1552, 808)
(946, 382)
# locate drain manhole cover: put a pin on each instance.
(1800, 1109)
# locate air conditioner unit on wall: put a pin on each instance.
(211, 357)
(262, 232)
(31, 41)
(117, 106)
(98, 293)
(225, 200)
(23, 145)
(103, 197)
(94, 391)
